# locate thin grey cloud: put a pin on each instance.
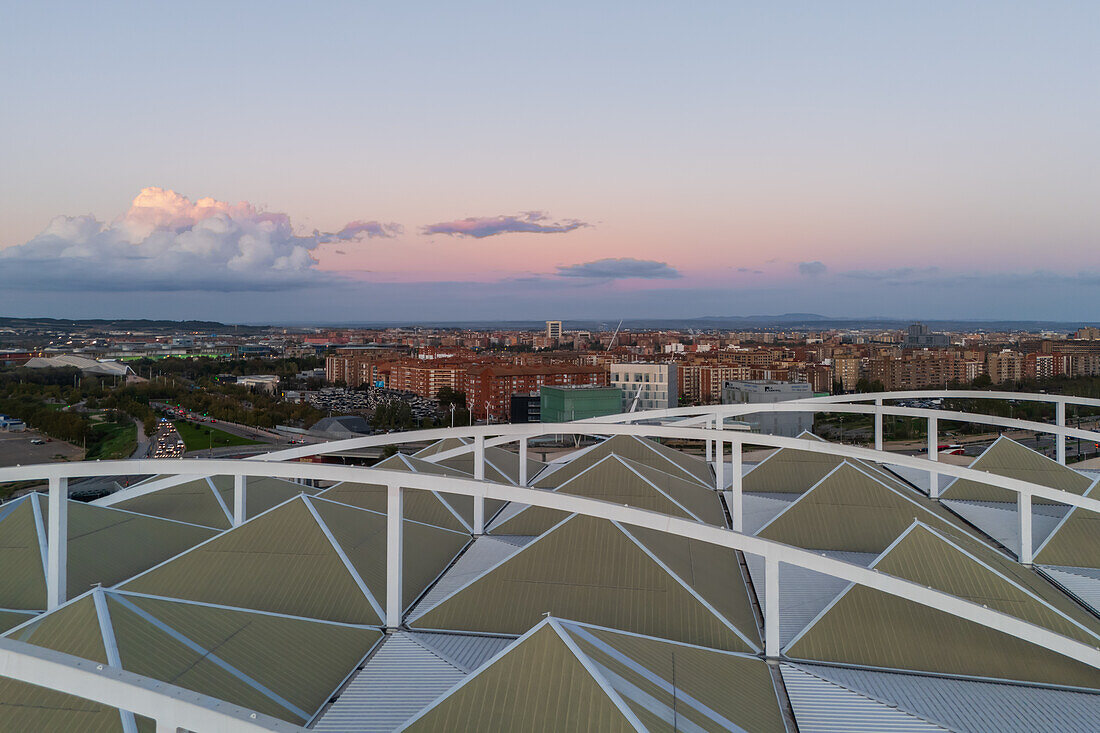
(893, 274)
(620, 268)
(528, 222)
(370, 229)
(811, 269)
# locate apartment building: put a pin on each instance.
(702, 383)
(489, 388)
(646, 386)
(1004, 366)
(846, 372)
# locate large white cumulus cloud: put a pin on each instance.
(168, 242)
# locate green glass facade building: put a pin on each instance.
(562, 404)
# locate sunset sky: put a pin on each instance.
(340, 162)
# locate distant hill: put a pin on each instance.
(783, 321)
(119, 324)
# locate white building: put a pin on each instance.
(646, 386)
(789, 424)
(266, 382)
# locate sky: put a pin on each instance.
(341, 162)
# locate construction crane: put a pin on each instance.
(614, 336)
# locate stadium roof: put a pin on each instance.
(559, 621)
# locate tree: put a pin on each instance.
(982, 381)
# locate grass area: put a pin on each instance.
(201, 437)
(112, 441)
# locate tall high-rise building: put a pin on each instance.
(553, 329)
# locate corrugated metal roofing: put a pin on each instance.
(928, 558)
(538, 685)
(1083, 583)
(466, 651)
(681, 687)
(282, 666)
(421, 506)
(280, 561)
(22, 565)
(871, 628)
(263, 493)
(637, 449)
(592, 570)
(759, 509)
(821, 706)
(361, 534)
(107, 546)
(1076, 541)
(483, 553)
(194, 501)
(971, 706)
(442, 445)
(1008, 458)
(401, 678)
(1000, 520)
(851, 510)
(11, 619)
(804, 594)
(789, 471)
(622, 481)
(500, 465)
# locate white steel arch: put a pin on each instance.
(172, 707)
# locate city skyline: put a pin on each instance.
(521, 163)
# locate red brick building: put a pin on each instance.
(489, 389)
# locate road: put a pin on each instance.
(143, 443)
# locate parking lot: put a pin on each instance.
(17, 449)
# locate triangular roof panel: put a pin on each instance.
(870, 628)
(702, 689)
(1075, 542)
(538, 684)
(851, 510)
(195, 501)
(932, 559)
(599, 572)
(622, 481)
(1008, 458)
(281, 666)
(642, 450)
(282, 561)
(105, 546)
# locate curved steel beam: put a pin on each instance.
(774, 552)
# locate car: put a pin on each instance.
(37, 441)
